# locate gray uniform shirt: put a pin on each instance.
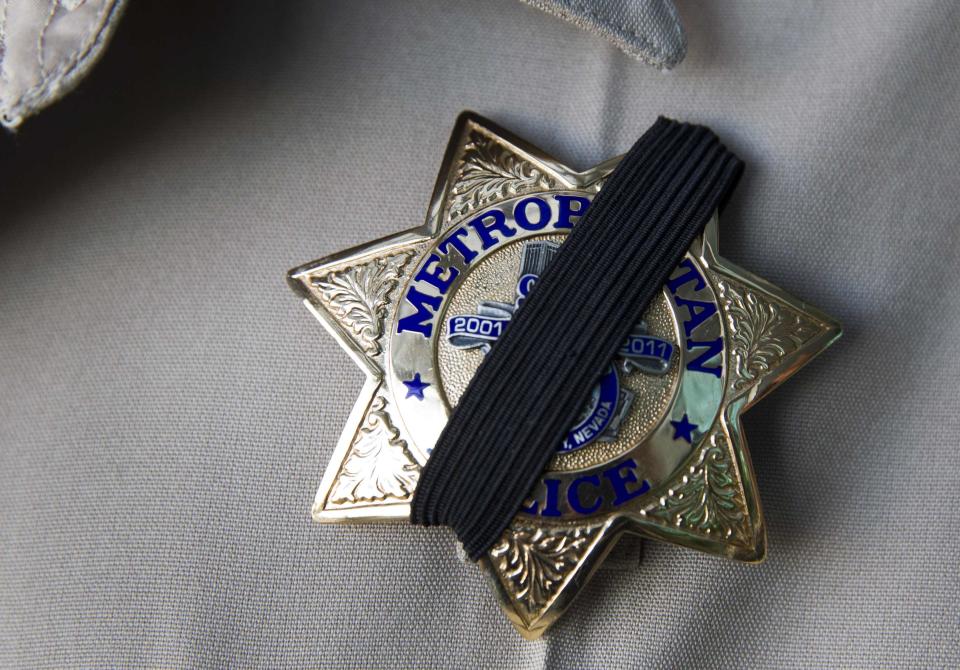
(167, 406)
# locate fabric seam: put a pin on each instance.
(65, 73)
(619, 33)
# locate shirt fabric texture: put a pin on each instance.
(167, 405)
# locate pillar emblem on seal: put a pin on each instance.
(659, 449)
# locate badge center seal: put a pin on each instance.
(647, 412)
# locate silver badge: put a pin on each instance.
(658, 450)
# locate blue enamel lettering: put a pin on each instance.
(602, 409)
(713, 348)
(646, 347)
(573, 494)
(690, 275)
(497, 224)
(422, 320)
(532, 509)
(435, 277)
(621, 476)
(476, 327)
(453, 239)
(698, 313)
(540, 219)
(570, 206)
(552, 507)
(698, 310)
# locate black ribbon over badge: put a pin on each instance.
(583, 316)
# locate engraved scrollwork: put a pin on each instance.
(707, 499)
(537, 560)
(489, 171)
(379, 465)
(764, 332)
(359, 295)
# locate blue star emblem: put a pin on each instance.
(682, 429)
(415, 387)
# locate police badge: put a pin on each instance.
(658, 449)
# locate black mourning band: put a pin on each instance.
(525, 396)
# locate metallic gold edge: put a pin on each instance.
(611, 532)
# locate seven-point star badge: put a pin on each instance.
(658, 450)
